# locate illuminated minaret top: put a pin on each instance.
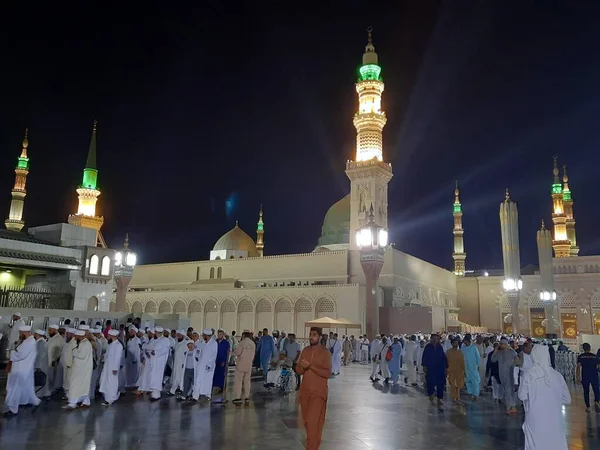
(88, 194)
(260, 231)
(568, 206)
(15, 216)
(369, 175)
(560, 243)
(459, 254)
(370, 119)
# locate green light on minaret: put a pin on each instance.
(557, 188)
(23, 163)
(90, 173)
(457, 208)
(370, 72)
(567, 195)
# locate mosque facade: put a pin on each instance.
(240, 286)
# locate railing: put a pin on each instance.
(37, 298)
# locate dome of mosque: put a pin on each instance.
(237, 239)
(336, 225)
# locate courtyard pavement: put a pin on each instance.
(360, 415)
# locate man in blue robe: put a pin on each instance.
(266, 349)
(472, 362)
(395, 363)
(435, 366)
(221, 365)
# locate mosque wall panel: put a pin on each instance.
(468, 300)
(228, 322)
(284, 321)
(196, 320)
(246, 321)
(301, 318)
(264, 320)
(211, 320)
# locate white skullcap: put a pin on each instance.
(182, 332)
(113, 332)
(149, 330)
(245, 331)
(207, 331)
(71, 330)
(283, 331)
(84, 327)
(275, 331)
(18, 314)
(97, 330)
(135, 330)
(53, 326)
(79, 333)
(159, 329)
(195, 332)
(168, 330)
(25, 328)
(40, 332)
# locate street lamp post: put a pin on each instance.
(372, 241)
(547, 292)
(125, 261)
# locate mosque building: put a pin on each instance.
(240, 286)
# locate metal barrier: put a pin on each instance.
(28, 297)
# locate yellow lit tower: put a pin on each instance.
(568, 206)
(459, 254)
(88, 194)
(369, 175)
(15, 216)
(260, 232)
(560, 243)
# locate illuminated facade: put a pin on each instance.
(260, 233)
(560, 243)
(369, 175)
(568, 208)
(459, 254)
(88, 193)
(15, 220)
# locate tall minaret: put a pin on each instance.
(509, 227)
(369, 175)
(560, 243)
(260, 232)
(15, 216)
(568, 205)
(459, 254)
(88, 193)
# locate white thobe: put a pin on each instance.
(410, 357)
(41, 363)
(55, 345)
(544, 425)
(20, 388)
(66, 359)
(336, 357)
(383, 364)
(357, 349)
(161, 350)
(132, 362)
(375, 350)
(144, 381)
(178, 368)
(13, 335)
(109, 380)
(364, 351)
(204, 369)
(81, 373)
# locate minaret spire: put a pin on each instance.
(260, 231)
(15, 216)
(568, 206)
(560, 243)
(369, 175)
(88, 193)
(459, 254)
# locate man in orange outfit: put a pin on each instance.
(315, 366)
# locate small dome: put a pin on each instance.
(237, 239)
(336, 225)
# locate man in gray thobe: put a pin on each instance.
(506, 359)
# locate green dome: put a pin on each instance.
(336, 225)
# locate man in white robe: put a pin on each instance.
(146, 354)
(41, 361)
(336, 355)
(80, 376)
(20, 388)
(410, 356)
(375, 350)
(109, 379)
(66, 358)
(158, 357)
(204, 368)
(544, 392)
(13, 335)
(364, 351)
(179, 363)
(167, 334)
(132, 358)
(358, 349)
(55, 345)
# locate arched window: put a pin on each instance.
(105, 270)
(94, 261)
(212, 273)
(219, 272)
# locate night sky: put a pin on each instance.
(204, 114)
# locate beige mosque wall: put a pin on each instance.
(468, 300)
